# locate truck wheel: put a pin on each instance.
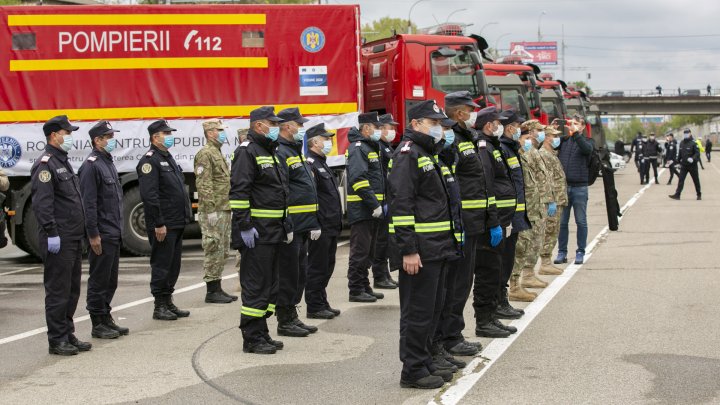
(135, 240)
(27, 233)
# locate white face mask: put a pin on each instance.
(390, 135)
(499, 131)
(470, 122)
(327, 147)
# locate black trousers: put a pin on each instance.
(385, 251)
(321, 264)
(488, 275)
(61, 277)
(459, 284)
(103, 279)
(508, 260)
(673, 171)
(646, 173)
(421, 302)
(292, 273)
(684, 170)
(707, 155)
(259, 283)
(165, 260)
(644, 166)
(363, 236)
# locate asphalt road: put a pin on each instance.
(636, 324)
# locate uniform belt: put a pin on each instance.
(356, 198)
(259, 213)
(299, 209)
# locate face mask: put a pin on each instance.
(499, 131)
(273, 134)
(327, 147)
(652, 138)
(541, 136)
(390, 135)
(169, 141)
(222, 136)
(111, 144)
(436, 132)
(555, 143)
(449, 138)
(470, 122)
(376, 135)
(527, 145)
(299, 135)
(686, 136)
(67, 142)
(516, 135)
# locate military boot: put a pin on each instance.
(529, 280)
(110, 322)
(214, 296)
(232, 297)
(180, 313)
(100, 330)
(296, 320)
(518, 293)
(506, 311)
(547, 269)
(286, 327)
(162, 312)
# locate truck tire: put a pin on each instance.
(135, 240)
(27, 233)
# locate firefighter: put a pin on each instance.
(651, 152)
(381, 272)
(167, 211)
(489, 267)
(423, 230)
(102, 197)
(636, 143)
(365, 203)
(259, 201)
(688, 157)
(212, 180)
(321, 252)
(302, 216)
(520, 222)
(57, 205)
(478, 217)
(641, 154)
(671, 156)
(556, 175)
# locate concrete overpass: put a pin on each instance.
(659, 105)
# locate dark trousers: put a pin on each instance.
(384, 251)
(321, 264)
(363, 235)
(684, 170)
(459, 284)
(488, 275)
(165, 259)
(421, 301)
(102, 283)
(707, 155)
(673, 171)
(62, 287)
(646, 173)
(644, 166)
(508, 260)
(292, 259)
(259, 283)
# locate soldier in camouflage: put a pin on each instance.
(556, 173)
(212, 179)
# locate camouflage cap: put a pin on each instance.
(550, 130)
(215, 123)
(528, 126)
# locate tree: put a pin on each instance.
(10, 2)
(384, 28)
(581, 85)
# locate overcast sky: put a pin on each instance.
(623, 44)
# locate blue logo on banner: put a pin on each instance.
(10, 151)
(313, 80)
(312, 39)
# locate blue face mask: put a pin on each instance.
(273, 134)
(555, 143)
(169, 141)
(299, 135)
(449, 138)
(222, 136)
(541, 136)
(527, 145)
(376, 135)
(516, 135)
(111, 144)
(67, 142)
(327, 147)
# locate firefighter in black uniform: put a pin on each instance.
(167, 210)
(365, 202)
(102, 198)
(423, 230)
(321, 252)
(259, 201)
(381, 272)
(671, 152)
(640, 155)
(636, 143)
(57, 205)
(510, 149)
(478, 216)
(489, 266)
(651, 152)
(688, 157)
(302, 215)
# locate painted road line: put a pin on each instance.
(497, 347)
(20, 270)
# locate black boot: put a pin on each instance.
(100, 330)
(296, 320)
(259, 347)
(63, 349)
(162, 312)
(180, 313)
(232, 297)
(489, 329)
(501, 325)
(110, 322)
(82, 346)
(504, 310)
(286, 327)
(214, 296)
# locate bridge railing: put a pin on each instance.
(653, 92)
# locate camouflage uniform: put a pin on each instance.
(559, 192)
(212, 179)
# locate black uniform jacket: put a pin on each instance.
(303, 204)
(330, 206)
(365, 177)
(102, 196)
(505, 197)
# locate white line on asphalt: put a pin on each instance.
(455, 393)
(19, 271)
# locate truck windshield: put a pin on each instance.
(510, 98)
(453, 73)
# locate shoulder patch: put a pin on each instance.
(92, 158)
(45, 158)
(310, 160)
(245, 143)
(482, 144)
(150, 153)
(358, 143)
(146, 168)
(199, 170)
(406, 147)
(44, 176)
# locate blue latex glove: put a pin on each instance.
(552, 209)
(54, 244)
(249, 236)
(495, 236)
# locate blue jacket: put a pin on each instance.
(573, 154)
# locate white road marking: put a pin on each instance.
(455, 393)
(19, 270)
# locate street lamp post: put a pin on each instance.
(409, 13)
(539, 20)
(483, 27)
(497, 41)
(456, 11)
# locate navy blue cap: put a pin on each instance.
(426, 109)
(510, 115)
(264, 113)
(460, 98)
(57, 123)
(159, 126)
(369, 118)
(292, 114)
(101, 128)
(317, 130)
(486, 115)
(687, 131)
(387, 119)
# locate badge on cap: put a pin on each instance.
(436, 108)
(44, 176)
(146, 168)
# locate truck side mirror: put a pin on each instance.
(481, 82)
(523, 106)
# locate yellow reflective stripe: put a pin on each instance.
(445, 171)
(496, 153)
(258, 213)
(505, 203)
(520, 207)
(271, 308)
(491, 201)
(459, 237)
(356, 198)
(379, 197)
(292, 160)
(256, 313)
(391, 228)
(263, 160)
(403, 220)
(423, 164)
(513, 161)
(372, 155)
(299, 209)
(390, 164)
(361, 184)
(462, 146)
(454, 167)
(240, 204)
(424, 227)
(471, 204)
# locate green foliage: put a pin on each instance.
(10, 2)
(678, 121)
(628, 131)
(384, 28)
(581, 85)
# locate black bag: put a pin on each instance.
(594, 166)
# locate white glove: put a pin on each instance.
(290, 237)
(690, 160)
(212, 218)
(377, 212)
(315, 234)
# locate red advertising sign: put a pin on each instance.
(538, 53)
